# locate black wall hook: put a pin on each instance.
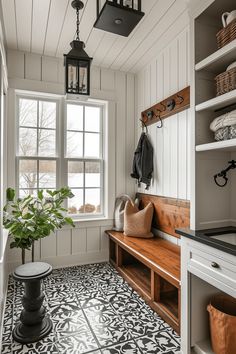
(161, 123)
(223, 174)
(144, 125)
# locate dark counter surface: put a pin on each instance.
(202, 236)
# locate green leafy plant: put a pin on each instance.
(31, 218)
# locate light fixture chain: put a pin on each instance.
(77, 23)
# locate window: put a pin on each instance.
(49, 157)
(84, 158)
(37, 153)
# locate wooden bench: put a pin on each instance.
(152, 266)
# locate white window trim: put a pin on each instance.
(61, 148)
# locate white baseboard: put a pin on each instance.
(70, 260)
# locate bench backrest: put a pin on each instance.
(169, 213)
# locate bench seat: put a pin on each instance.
(152, 268)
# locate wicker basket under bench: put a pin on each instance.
(152, 268)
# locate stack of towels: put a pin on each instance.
(224, 126)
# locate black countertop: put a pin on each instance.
(202, 236)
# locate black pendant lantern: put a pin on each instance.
(77, 62)
(119, 16)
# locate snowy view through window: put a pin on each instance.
(40, 146)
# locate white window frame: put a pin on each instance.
(100, 159)
(60, 157)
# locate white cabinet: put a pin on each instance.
(205, 271)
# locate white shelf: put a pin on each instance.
(220, 60)
(226, 145)
(217, 102)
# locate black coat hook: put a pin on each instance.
(223, 174)
(144, 125)
(161, 125)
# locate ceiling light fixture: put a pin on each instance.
(119, 16)
(77, 62)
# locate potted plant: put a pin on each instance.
(31, 218)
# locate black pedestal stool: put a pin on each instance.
(33, 324)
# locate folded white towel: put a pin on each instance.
(225, 120)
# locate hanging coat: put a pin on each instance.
(143, 161)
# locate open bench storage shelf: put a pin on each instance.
(152, 268)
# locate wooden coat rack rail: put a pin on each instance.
(168, 107)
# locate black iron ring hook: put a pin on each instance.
(222, 176)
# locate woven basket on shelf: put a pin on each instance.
(226, 81)
(226, 34)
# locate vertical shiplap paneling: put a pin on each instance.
(96, 75)
(153, 85)
(104, 239)
(174, 122)
(182, 155)
(93, 239)
(162, 77)
(50, 69)
(107, 80)
(16, 64)
(120, 80)
(64, 242)
(183, 117)
(32, 67)
(49, 246)
(152, 133)
(130, 133)
(147, 86)
(159, 148)
(167, 126)
(78, 241)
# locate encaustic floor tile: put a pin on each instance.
(94, 311)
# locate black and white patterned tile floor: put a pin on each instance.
(93, 310)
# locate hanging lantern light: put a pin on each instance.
(77, 62)
(119, 16)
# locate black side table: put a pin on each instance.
(33, 324)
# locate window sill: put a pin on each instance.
(75, 220)
(91, 222)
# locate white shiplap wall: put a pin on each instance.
(87, 242)
(163, 76)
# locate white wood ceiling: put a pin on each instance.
(47, 27)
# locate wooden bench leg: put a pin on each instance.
(119, 260)
(155, 286)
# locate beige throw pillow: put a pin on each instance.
(137, 223)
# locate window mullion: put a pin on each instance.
(38, 174)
